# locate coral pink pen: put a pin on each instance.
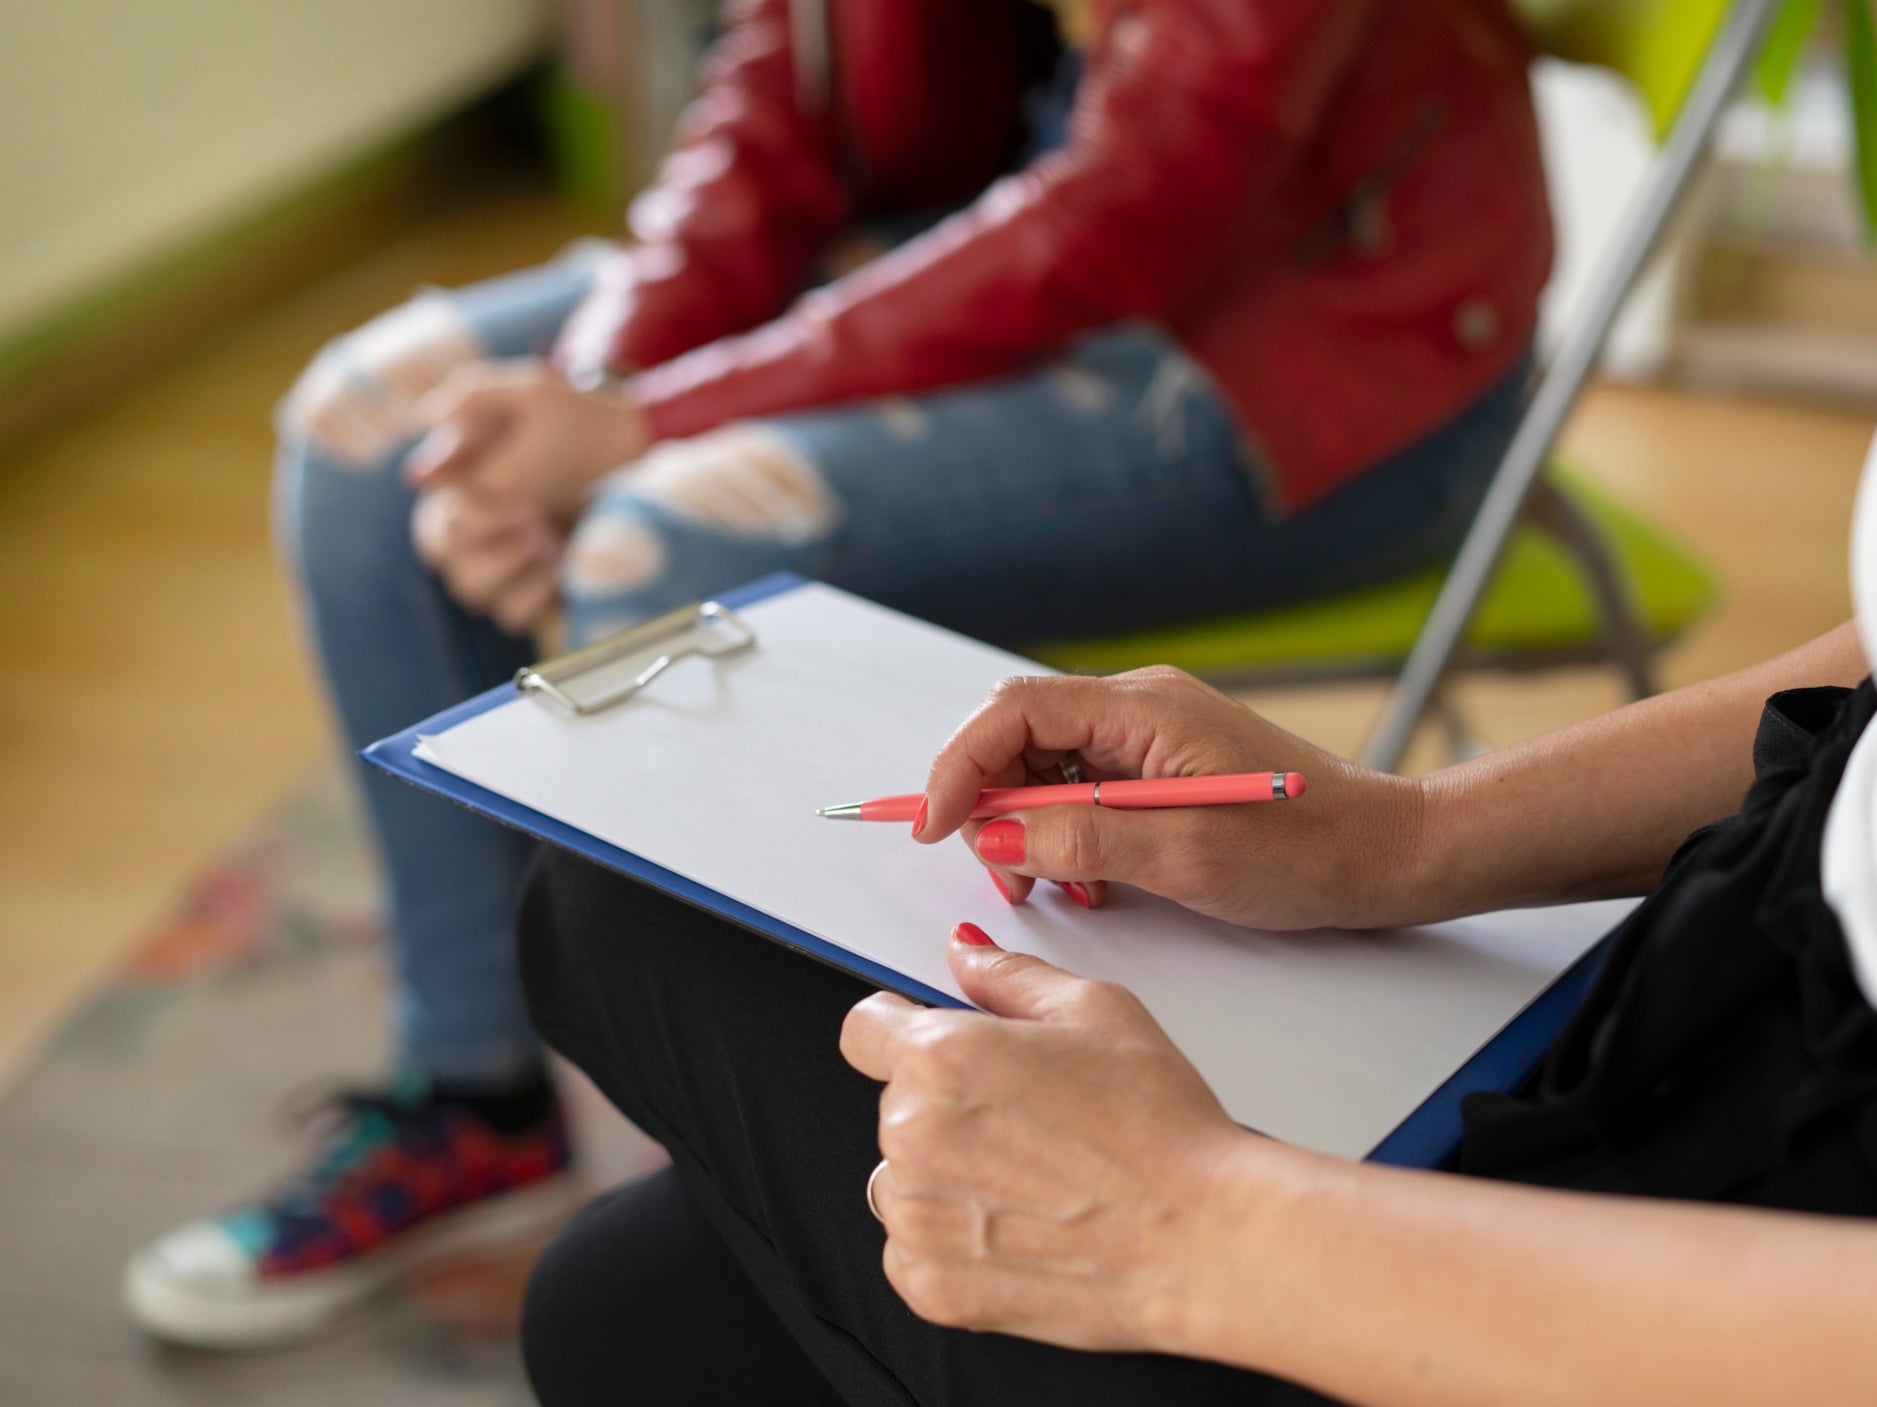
(1117, 796)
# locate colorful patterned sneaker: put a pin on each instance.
(401, 1182)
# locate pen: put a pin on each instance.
(1116, 796)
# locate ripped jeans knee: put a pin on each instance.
(692, 518)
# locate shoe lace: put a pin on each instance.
(347, 1124)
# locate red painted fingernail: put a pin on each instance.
(1077, 891)
(1002, 843)
(918, 817)
(971, 934)
(1002, 888)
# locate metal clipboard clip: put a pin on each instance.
(707, 629)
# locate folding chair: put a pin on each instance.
(1689, 57)
(1551, 572)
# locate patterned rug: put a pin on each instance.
(161, 1099)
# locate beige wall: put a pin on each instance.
(130, 126)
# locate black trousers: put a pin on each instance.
(749, 1273)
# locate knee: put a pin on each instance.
(613, 552)
(557, 1332)
(741, 493)
(744, 481)
(616, 572)
(358, 400)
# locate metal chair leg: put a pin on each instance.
(1463, 744)
(1625, 639)
(1726, 63)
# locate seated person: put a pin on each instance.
(1059, 1179)
(1233, 305)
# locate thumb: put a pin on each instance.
(1008, 984)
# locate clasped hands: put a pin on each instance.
(511, 454)
(1055, 1167)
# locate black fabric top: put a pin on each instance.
(1726, 1053)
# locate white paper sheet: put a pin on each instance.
(1328, 1040)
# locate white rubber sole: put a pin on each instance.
(279, 1312)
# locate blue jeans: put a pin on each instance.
(1105, 491)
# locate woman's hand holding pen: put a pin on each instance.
(1053, 1166)
(1346, 855)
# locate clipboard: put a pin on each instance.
(399, 756)
(1427, 1138)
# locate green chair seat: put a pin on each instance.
(1540, 608)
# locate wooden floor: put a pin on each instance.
(153, 704)
(1760, 490)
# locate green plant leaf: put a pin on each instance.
(1785, 46)
(1860, 62)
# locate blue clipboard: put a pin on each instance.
(1427, 1138)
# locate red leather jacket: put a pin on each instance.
(1336, 207)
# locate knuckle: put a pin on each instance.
(1011, 686)
(1084, 997)
(1018, 690)
(910, 1138)
(527, 382)
(855, 1027)
(1197, 861)
(932, 1293)
(430, 532)
(948, 1051)
(1155, 676)
(1109, 999)
(920, 1226)
(463, 381)
(513, 615)
(1203, 871)
(465, 387)
(468, 591)
(1080, 842)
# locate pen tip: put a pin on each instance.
(821, 811)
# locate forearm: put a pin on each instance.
(1203, 109)
(1596, 809)
(1401, 1289)
(732, 222)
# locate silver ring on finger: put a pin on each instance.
(873, 1204)
(1071, 770)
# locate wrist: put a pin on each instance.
(1406, 870)
(1243, 1259)
(631, 429)
(1425, 876)
(622, 430)
(616, 435)
(1463, 856)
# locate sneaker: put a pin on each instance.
(400, 1183)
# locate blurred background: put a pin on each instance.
(194, 196)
